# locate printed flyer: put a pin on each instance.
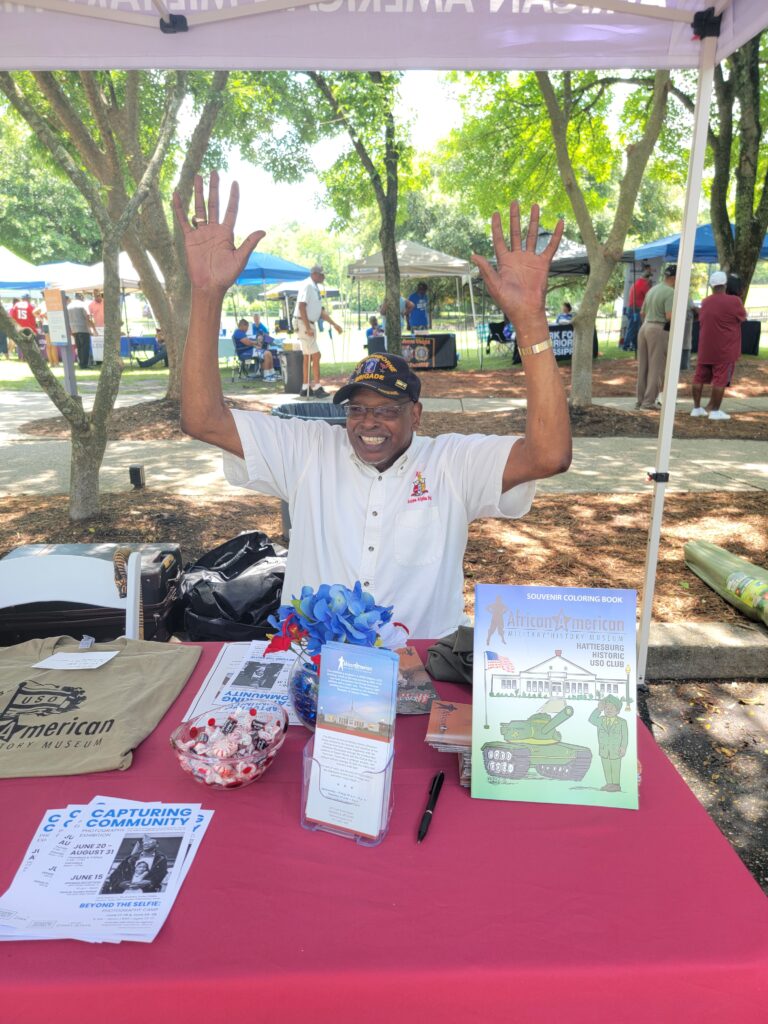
(103, 872)
(554, 710)
(243, 676)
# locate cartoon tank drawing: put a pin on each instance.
(534, 743)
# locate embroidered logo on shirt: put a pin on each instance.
(419, 490)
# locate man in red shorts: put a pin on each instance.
(720, 320)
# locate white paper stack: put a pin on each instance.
(107, 871)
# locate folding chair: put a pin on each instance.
(497, 339)
(245, 357)
(79, 579)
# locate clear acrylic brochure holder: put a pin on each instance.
(364, 786)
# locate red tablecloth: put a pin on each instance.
(514, 912)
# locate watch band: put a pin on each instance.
(531, 350)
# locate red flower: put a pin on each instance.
(278, 643)
(291, 632)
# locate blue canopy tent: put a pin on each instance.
(704, 248)
(263, 268)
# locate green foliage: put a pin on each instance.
(43, 218)
(504, 148)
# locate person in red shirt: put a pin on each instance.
(96, 309)
(720, 320)
(23, 312)
(637, 294)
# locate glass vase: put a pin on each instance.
(303, 683)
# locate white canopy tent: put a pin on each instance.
(414, 34)
(86, 279)
(17, 275)
(366, 34)
(416, 260)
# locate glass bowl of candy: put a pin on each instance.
(229, 748)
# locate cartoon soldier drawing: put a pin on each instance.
(612, 736)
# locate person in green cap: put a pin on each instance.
(612, 737)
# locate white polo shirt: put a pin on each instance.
(309, 292)
(402, 532)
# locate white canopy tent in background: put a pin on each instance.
(86, 279)
(416, 260)
(414, 34)
(16, 275)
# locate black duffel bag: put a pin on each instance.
(232, 590)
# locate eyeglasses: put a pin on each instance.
(383, 413)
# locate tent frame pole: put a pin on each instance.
(660, 475)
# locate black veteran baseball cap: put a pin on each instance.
(390, 375)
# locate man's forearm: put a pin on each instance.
(547, 442)
(203, 412)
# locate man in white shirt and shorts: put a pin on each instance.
(376, 502)
(309, 310)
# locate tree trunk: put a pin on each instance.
(603, 257)
(88, 449)
(584, 331)
(391, 281)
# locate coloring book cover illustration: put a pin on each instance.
(553, 697)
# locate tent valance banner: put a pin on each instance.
(358, 34)
(415, 260)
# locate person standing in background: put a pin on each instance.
(720, 319)
(23, 312)
(81, 328)
(565, 316)
(96, 309)
(637, 294)
(419, 318)
(405, 309)
(653, 340)
(309, 310)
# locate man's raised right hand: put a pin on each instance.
(213, 262)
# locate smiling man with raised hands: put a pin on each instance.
(377, 502)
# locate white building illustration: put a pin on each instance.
(556, 677)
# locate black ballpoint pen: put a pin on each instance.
(434, 793)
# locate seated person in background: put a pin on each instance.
(261, 356)
(161, 353)
(375, 330)
(257, 327)
(565, 316)
(265, 343)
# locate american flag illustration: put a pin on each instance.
(498, 662)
